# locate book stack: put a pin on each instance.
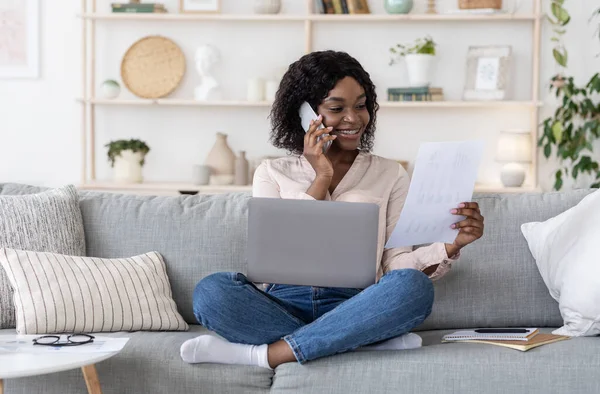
(342, 7)
(523, 341)
(415, 94)
(136, 6)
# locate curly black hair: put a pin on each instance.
(310, 79)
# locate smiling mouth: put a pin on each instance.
(348, 131)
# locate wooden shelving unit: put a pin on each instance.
(90, 17)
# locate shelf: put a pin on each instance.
(156, 187)
(174, 188)
(383, 104)
(309, 17)
(177, 102)
(457, 104)
(502, 189)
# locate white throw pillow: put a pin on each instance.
(566, 251)
(56, 293)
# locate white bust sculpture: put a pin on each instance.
(206, 58)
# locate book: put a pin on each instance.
(345, 9)
(416, 90)
(358, 6)
(337, 6)
(328, 6)
(137, 10)
(472, 335)
(138, 7)
(537, 340)
(319, 7)
(415, 97)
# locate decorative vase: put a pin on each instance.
(241, 169)
(110, 89)
(221, 161)
(419, 68)
(267, 6)
(128, 167)
(201, 175)
(398, 6)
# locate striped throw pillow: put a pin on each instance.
(56, 293)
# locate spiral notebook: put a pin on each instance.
(472, 335)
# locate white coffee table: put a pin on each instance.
(19, 365)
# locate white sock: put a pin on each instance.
(403, 342)
(210, 349)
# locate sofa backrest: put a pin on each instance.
(495, 283)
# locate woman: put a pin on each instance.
(302, 323)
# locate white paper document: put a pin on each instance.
(444, 176)
(24, 344)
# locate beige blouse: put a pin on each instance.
(371, 179)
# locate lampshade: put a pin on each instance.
(514, 146)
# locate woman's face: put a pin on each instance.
(345, 110)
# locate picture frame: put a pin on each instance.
(488, 73)
(19, 39)
(200, 6)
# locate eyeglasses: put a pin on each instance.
(72, 340)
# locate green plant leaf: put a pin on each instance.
(560, 13)
(560, 57)
(558, 182)
(547, 150)
(557, 131)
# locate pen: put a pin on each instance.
(501, 331)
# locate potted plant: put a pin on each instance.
(127, 158)
(419, 60)
(575, 125)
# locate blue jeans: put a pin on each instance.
(314, 321)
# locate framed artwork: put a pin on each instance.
(201, 6)
(488, 73)
(19, 38)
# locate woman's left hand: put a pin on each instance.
(471, 228)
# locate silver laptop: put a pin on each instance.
(312, 243)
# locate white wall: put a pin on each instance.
(41, 122)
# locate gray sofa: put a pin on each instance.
(495, 284)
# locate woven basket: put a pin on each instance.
(474, 4)
(153, 67)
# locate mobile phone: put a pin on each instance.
(306, 115)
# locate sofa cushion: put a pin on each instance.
(150, 363)
(566, 252)
(46, 222)
(496, 282)
(57, 293)
(468, 368)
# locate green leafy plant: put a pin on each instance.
(559, 19)
(575, 124)
(116, 147)
(424, 46)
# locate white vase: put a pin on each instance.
(267, 6)
(127, 168)
(419, 68)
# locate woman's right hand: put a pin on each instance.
(313, 149)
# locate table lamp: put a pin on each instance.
(514, 148)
